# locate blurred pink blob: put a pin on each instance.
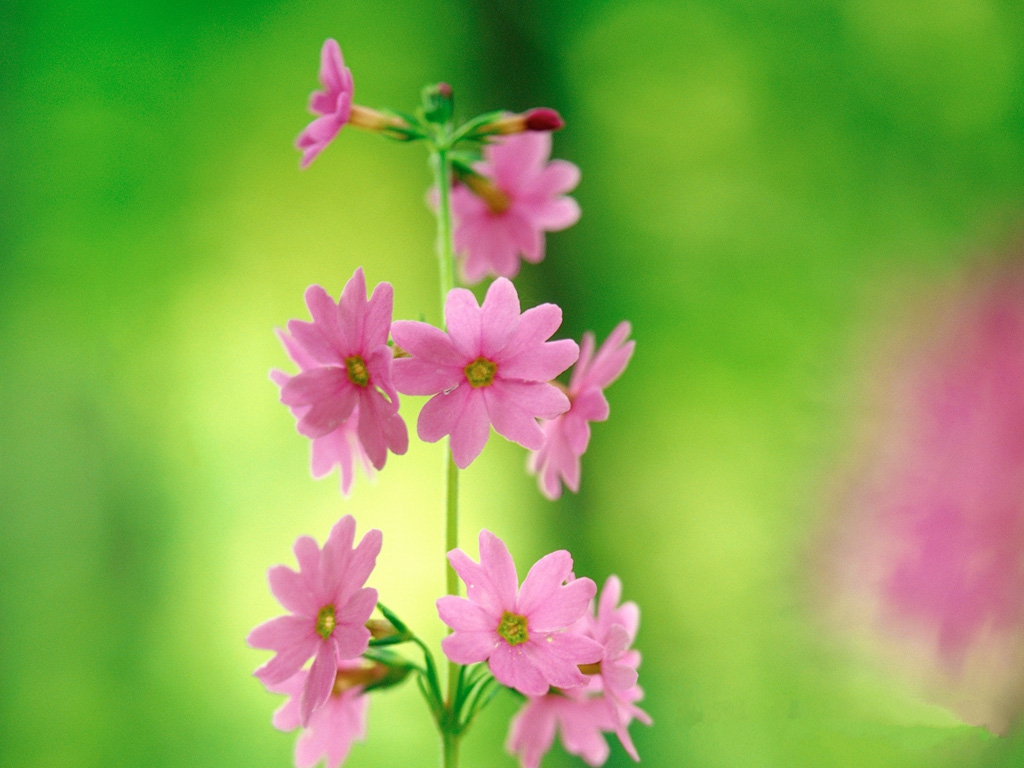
(927, 565)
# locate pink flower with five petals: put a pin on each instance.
(345, 364)
(491, 368)
(521, 633)
(332, 728)
(491, 232)
(333, 104)
(567, 435)
(329, 607)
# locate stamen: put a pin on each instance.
(480, 373)
(513, 628)
(357, 373)
(325, 622)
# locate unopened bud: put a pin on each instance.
(438, 103)
(372, 120)
(540, 119)
(381, 628)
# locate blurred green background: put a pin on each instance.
(767, 186)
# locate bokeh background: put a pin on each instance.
(769, 190)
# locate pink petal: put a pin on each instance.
(535, 327)
(576, 430)
(511, 421)
(479, 587)
(499, 317)
(414, 376)
(464, 615)
(352, 312)
(557, 178)
(540, 400)
(302, 358)
(326, 416)
(307, 553)
(462, 316)
(372, 430)
(542, 584)
(532, 732)
(427, 343)
(316, 349)
(518, 158)
(320, 681)
(472, 429)
(440, 414)
(324, 311)
(332, 76)
(555, 215)
(497, 563)
(541, 363)
(292, 591)
(335, 554)
(315, 385)
(512, 667)
(295, 640)
(559, 655)
(316, 136)
(377, 323)
(470, 647)
(611, 358)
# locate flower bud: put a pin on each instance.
(438, 103)
(381, 628)
(540, 119)
(372, 120)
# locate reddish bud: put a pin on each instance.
(544, 119)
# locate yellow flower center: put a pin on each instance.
(480, 373)
(513, 628)
(325, 622)
(357, 371)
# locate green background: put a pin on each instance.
(767, 188)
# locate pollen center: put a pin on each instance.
(480, 373)
(325, 622)
(357, 371)
(513, 628)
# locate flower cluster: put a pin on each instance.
(491, 365)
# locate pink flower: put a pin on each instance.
(342, 446)
(581, 720)
(605, 703)
(329, 607)
(491, 368)
(523, 200)
(332, 728)
(333, 104)
(566, 436)
(519, 632)
(345, 365)
(927, 565)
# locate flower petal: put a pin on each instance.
(320, 681)
(292, 591)
(499, 317)
(462, 318)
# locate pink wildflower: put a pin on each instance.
(333, 104)
(566, 436)
(329, 607)
(523, 199)
(521, 633)
(929, 560)
(332, 728)
(342, 446)
(345, 365)
(581, 720)
(492, 367)
(605, 703)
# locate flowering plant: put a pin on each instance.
(491, 364)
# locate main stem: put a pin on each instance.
(446, 258)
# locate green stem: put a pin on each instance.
(451, 749)
(441, 164)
